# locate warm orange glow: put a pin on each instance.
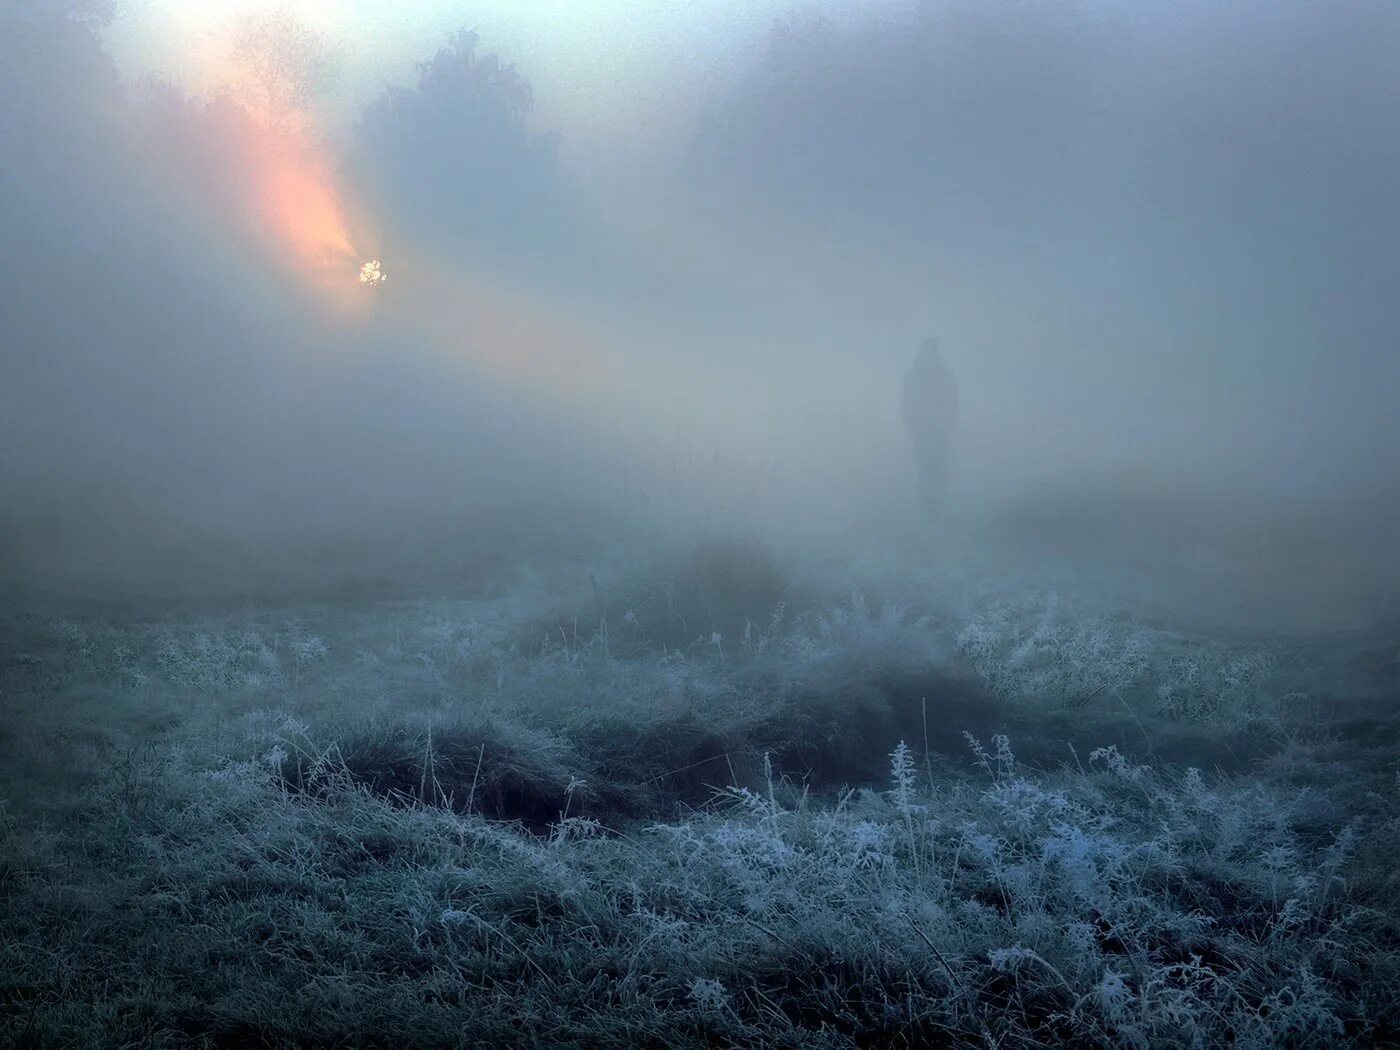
(274, 162)
(512, 335)
(295, 199)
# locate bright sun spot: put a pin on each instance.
(372, 273)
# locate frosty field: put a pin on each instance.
(701, 801)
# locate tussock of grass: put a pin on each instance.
(720, 597)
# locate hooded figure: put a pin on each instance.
(931, 420)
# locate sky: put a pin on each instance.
(600, 69)
(1155, 240)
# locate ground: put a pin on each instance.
(710, 799)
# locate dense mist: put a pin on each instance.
(1154, 243)
(752, 523)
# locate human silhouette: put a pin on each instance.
(931, 420)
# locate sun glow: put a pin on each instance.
(286, 184)
(372, 273)
(265, 73)
(283, 184)
(294, 196)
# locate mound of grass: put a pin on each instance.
(719, 596)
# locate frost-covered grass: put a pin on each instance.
(1116, 905)
(1046, 649)
(709, 807)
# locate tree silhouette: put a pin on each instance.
(455, 157)
(283, 63)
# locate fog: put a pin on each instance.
(803, 523)
(1155, 242)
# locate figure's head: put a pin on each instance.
(929, 349)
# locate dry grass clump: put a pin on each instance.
(713, 599)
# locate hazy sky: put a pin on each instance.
(1156, 239)
(602, 70)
